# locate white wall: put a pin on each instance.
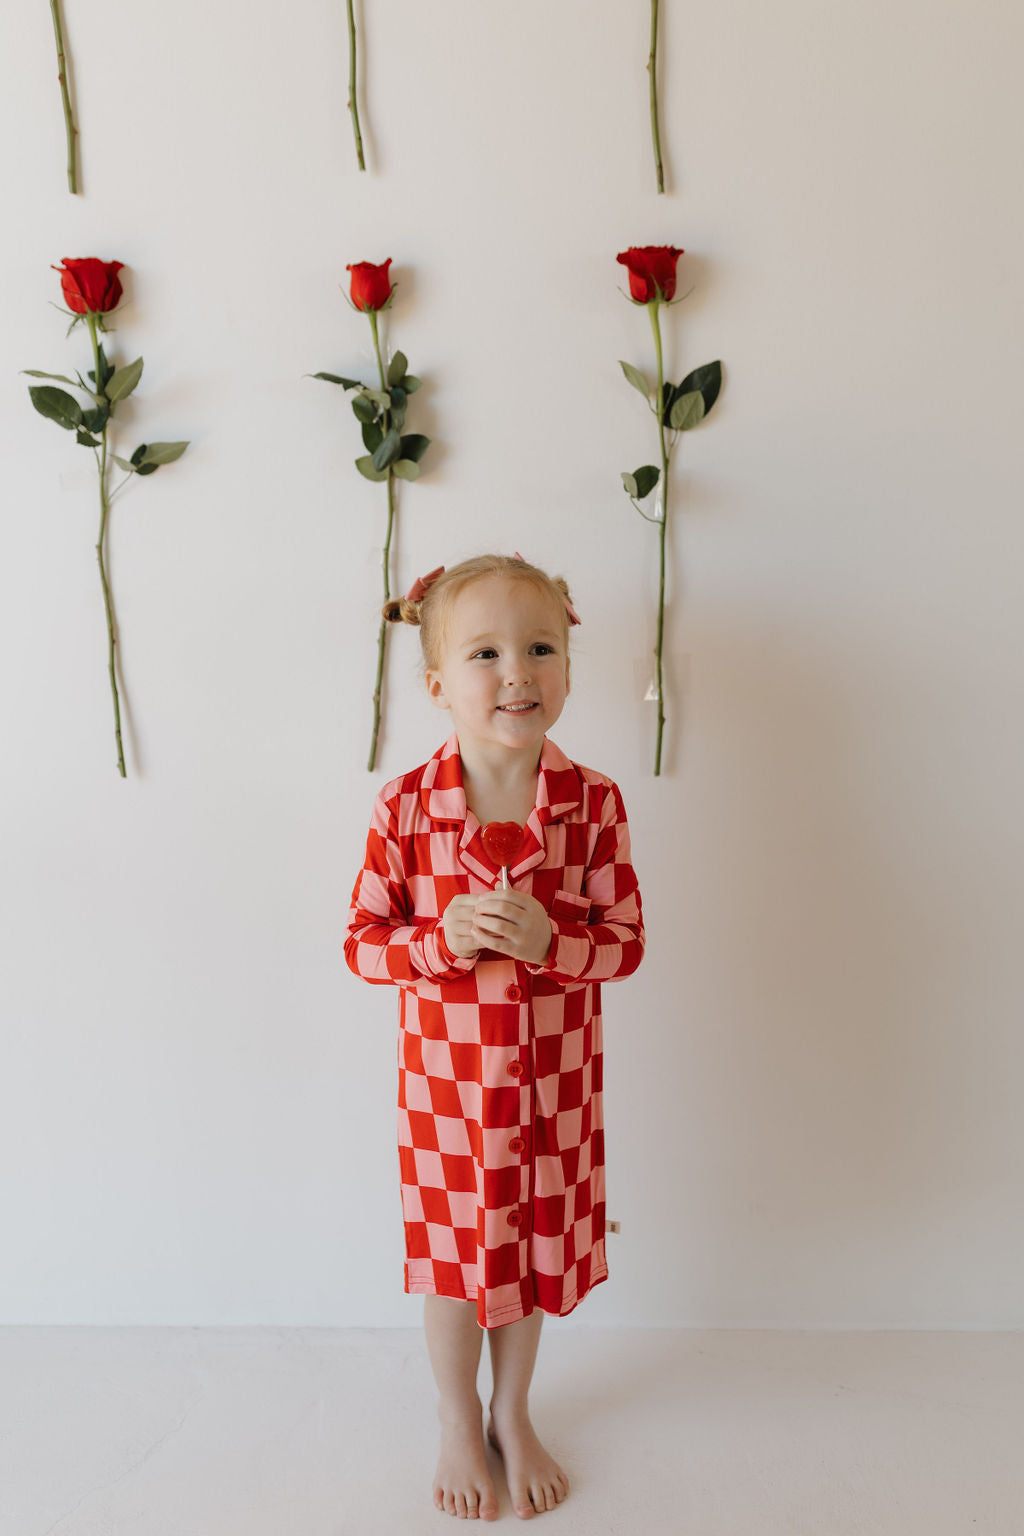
(813, 1082)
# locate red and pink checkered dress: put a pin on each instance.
(500, 1132)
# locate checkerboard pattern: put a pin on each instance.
(501, 1141)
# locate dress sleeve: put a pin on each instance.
(381, 945)
(611, 944)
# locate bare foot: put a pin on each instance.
(535, 1482)
(463, 1485)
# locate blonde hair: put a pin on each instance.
(432, 611)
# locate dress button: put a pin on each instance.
(514, 1069)
(513, 993)
(514, 1218)
(517, 1144)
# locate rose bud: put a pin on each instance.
(652, 271)
(90, 286)
(371, 286)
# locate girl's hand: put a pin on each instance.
(459, 933)
(513, 924)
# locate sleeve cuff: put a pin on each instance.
(569, 954)
(448, 962)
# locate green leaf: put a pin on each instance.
(397, 368)
(124, 380)
(398, 402)
(125, 464)
(381, 396)
(636, 378)
(95, 420)
(372, 436)
(106, 370)
(405, 469)
(56, 405)
(147, 469)
(364, 410)
(334, 378)
(708, 379)
(162, 453)
(388, 450)
(414, 446)
(139, 454)
(365, 467)
(63, 379)
(642, 481)
(86, 439)
(411, 383)
(646, 477)
(686, 411)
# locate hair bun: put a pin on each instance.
(400, 610)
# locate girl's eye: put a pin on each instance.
(487, 654)
(543, 649)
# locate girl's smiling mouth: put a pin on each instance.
(521, 708)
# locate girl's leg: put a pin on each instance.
(535, 1482)
(463, 1485)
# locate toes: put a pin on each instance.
(460, 1505)
(488, 1507)
(472, 1504)
(523, 1508)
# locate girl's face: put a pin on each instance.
(504, 671)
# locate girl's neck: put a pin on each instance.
(502, 789)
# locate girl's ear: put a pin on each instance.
(435, 689)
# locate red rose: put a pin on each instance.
(90, 286)
(371, 286)
(652, 271)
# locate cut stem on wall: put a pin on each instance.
(62, 75)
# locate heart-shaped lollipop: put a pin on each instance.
(503, 841)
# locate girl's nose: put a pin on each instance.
(517, 673)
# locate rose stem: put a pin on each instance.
(652, 70)
(104, 509)
(385, 560)
(353, 105)
(62, 76)
(653, 309)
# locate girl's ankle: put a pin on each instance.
(512, 1412)
(460, 1411)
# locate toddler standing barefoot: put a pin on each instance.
(499, 1095)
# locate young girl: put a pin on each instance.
(499, 1080)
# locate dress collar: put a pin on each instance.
(443, 797)
(559, 786)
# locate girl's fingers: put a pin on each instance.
(495, 930)
(502, 901)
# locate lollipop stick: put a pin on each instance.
(504, 877)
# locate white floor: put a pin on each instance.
(330, 1432)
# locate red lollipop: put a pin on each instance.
(503, 841)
